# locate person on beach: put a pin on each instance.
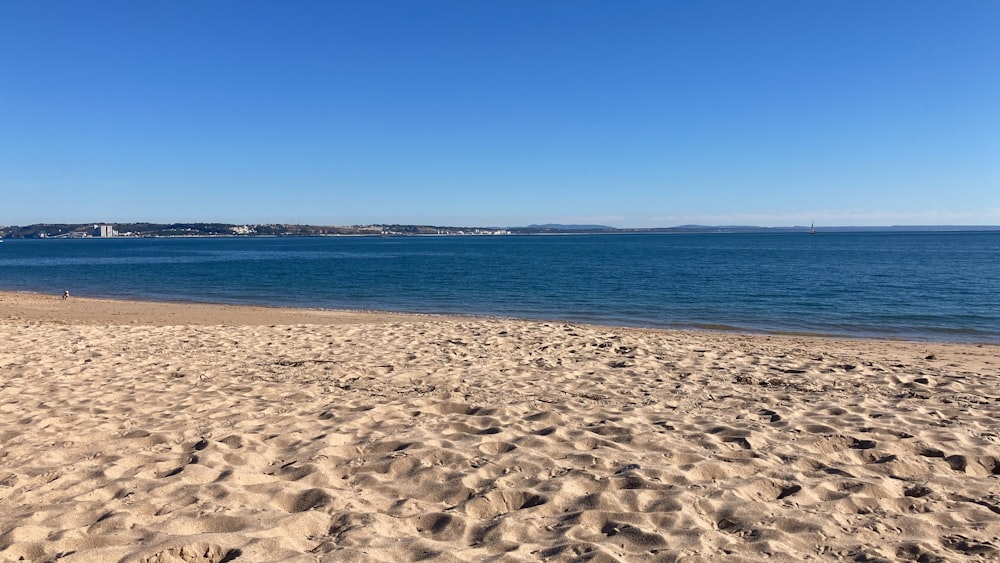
(66, 294)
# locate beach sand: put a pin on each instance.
(174, 432)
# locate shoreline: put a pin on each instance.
(143, 431)
(157, 312)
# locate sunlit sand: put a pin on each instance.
(176, 432)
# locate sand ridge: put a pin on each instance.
(405, 438)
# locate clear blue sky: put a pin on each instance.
(501, 112)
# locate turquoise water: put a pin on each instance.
(933, 286)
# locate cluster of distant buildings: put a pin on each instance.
(493, 232)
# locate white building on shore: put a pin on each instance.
(105, 231)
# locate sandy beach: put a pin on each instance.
(153, 432)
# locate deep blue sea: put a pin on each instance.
(925, 286)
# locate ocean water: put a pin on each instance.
(929, 286)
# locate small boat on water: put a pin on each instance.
(812, 228)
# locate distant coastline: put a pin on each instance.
(139, 230)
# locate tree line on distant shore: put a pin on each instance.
(85, 230)
(80, 230)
